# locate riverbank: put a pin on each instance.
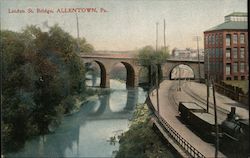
(69, 106)
(102, 116)
(141, 140)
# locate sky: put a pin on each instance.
(121, 25)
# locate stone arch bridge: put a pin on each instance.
(107, 61)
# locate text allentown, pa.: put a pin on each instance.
(58, 10)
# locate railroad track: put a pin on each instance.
(171, 97)
(195, 96)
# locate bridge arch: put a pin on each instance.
(183, 66)
(103, 75)
(169, 67)
(103, 72)
(130, 73)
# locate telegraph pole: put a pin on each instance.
(157, 75)
(215, 122)
(207, 80)
(165, 36)
(78, 38)
(156, 45)
(157, 91)
(179, 89)
(197, 38)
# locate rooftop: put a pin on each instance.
(241, 14)
(207, 117)
(230, 25)
(233, 21)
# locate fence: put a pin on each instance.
(232, 92)
(172, 133)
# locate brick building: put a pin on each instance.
(227, 45)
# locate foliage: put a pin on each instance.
(39, 70)
(140, 140)
(152, 59)
(147, 56)
(84, 46)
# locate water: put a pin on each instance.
(87, 132)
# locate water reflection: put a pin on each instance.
(92, 79)
(87, 132)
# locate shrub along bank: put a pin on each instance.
(140, 140)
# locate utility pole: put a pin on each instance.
(165, 37)
(157, 75)
(156, 44)
(207, 80)
(197, 38)
(179, 89)
(157, 91)
(215, 122)
(78, 38)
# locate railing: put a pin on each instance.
(172, 133)
(232, 92)
(184, 143)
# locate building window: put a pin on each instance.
(235, 53)
(242, 67)
(212, 53)
(242, 77)
(228, 53)
(217, 66)
(235, 77)
(216, 39)
(242, 53)
(235, 67)
(242, 38)
(228, 39)
(228, 69)
(212, 39)
(235, 39)
(220, 39)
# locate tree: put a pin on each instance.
(85, 47)
(151, 59)
(40, 69)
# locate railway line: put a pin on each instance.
(171, 97)
(197, 127)
(203, 102)
(169, 105)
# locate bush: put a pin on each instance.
(140, 140)
(68, 104)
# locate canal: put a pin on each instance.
(87, 133)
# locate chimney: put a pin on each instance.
(231, 115)
(233, 109)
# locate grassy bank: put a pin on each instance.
(140, 140)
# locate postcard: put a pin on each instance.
(114, 78)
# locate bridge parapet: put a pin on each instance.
(111, 56)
